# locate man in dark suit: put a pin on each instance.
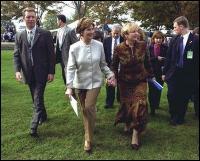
(65, 37)
(34, 61)
(181, 69)
(109, 44)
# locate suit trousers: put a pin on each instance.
(110, 95)
(63, 71)
(180, 89)
(88, 99)
(37, 93)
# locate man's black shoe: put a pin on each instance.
(107, 106)
(34, 134)
(42, 121)
(172, 122)
(180, 122)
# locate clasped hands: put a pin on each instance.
(111, 81)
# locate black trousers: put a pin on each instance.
(63, 72)
(180, 89)
(154, 95)
(37, 93)
(196, 99)
(110, 95)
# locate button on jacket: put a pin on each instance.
(86, 64)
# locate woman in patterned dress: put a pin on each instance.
(135, 68)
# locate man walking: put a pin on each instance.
(65, 37)
(181, 69)
(109, 44)
(34, 61)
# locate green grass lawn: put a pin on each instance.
(61, 137)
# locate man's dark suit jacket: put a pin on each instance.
(190, 66)
(42, 52)
(107, 44)
(69, 37)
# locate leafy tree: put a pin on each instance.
(80, 7)
(50, 21)
(107, 10)
(155, 14)
(10, 9)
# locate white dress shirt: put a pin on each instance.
(113, 43)
(60, 36)
(185, 39)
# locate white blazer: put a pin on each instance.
(86, 64)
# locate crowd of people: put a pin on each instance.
(126, 59)
(9, 34)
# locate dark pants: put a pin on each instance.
(63, 72)
(180, 89)
(110, 95)
(196, 100)
(39, 111)
(154, 95)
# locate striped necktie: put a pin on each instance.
(30, 37)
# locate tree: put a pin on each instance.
(155, 14)
(10, 9)
(80, 7)
(50, 21)
(107, 10)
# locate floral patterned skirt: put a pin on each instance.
(134, 108)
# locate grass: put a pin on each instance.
(61, 137)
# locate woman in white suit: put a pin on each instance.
(84, 73)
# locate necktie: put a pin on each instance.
(30, 37)
(30, 45)
(181, 51)
(115, 43)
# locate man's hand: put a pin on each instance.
(163, 77)
(18, 76)
(50, 78)
(160, 58)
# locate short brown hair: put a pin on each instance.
(83, 24)
(157, 34)
(28, 9)
(182, 20)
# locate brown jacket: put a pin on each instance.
(134, 63)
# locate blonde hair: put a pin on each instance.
(83, 24)
(132, 27)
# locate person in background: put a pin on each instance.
(157, 51)
(84, 73)
(195, 96)
(135, 69)
(98, 35)
(109, 44)
(181, 70)
(34, 60)
(65, 37)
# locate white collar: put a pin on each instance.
(185, 37)
(33, 30)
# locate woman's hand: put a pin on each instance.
(112, 81)
(69, 92)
